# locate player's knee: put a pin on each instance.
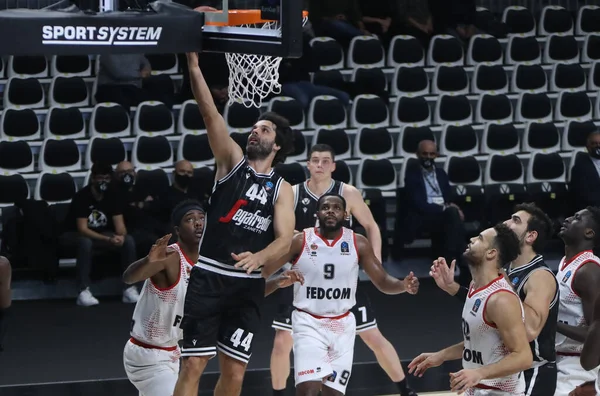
(283, 342)
(311, 388)
(5, 275)
(193, 366)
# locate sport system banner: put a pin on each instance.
(164, 28)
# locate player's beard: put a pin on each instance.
(337, 226)
(259, 151)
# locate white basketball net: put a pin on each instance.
(254, 77)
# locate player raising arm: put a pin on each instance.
(495, 349)
(250, 221)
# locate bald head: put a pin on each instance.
(427, 152)
(124, 166)
(182, 174)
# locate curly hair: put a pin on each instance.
(507, 243)
(284, 136)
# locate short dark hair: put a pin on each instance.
(101, 168)
(539, 222)
(326, 195)
(595, 215)
(321, 148)
(284, 136)
(182, 208)
(507, 243)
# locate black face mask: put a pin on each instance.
(102, 186)
(427, 162)
(127, 180)
(595, 153)
(183, 180)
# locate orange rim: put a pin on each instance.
(245, 17)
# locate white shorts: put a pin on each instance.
(153, 372)
(571, 374)
(489, 392)
(323, 349)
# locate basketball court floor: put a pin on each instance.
(56, 348)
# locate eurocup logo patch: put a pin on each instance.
(476, 306)
(515, 281)
(268, 185)
(345, 248)
(567, 276)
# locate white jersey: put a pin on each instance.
(598, 384)
(570, 310)
(483, 344)
(158, 312)
(330, 270)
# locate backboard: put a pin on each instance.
(161, 26)
(236, 27)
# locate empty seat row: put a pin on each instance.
(367, 51)
(59, 186)
(552, 19)
(73, 65)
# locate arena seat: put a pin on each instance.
(15, 157)
(64, 122)
(109, 150)
(369, 110)
(336, 138)
(500, 139)
(493, 108)
(458, 140)
(373, 143)
(195, 148)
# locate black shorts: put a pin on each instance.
(541, 381)
(221, 312)
(363, 312)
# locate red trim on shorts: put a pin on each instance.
(325, 317)
(473, 292)
(148, 346)
(294, 261)
(332, 244)
(568, 354)
(566, 263)
(485, 306)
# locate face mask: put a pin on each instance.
(127, 180)
(183, 180)
(102, 186)
(427, 162)
(595, 152)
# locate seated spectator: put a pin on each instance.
(95, 224)
(377, 18)
(126, 79)
(294, 77)
(455, 17)
(428, 192)
(137, 210)
(414, 19)
(179, 190)
(338, 19)
(5, 296)
(584, 186)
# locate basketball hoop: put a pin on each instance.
(252, 77)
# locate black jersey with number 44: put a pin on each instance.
(239, 219)
(543, 347)
(305, 206)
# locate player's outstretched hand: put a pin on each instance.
(290, 277)
(464, 379)
(158, 252)
(248, 261)
(411, 283)
(423, 362)
(442, 274)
